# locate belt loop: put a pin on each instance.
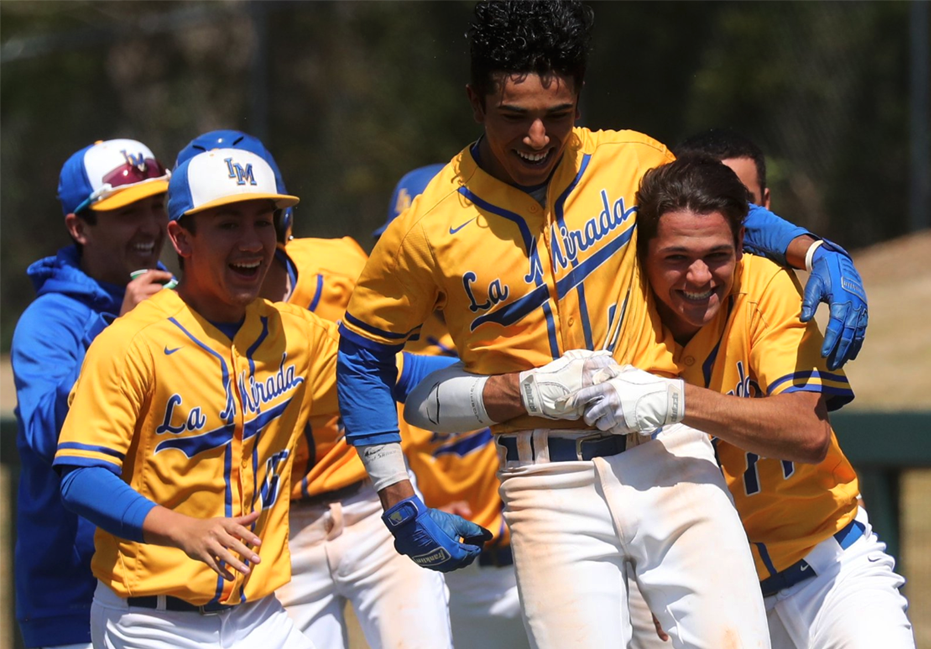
(162, 603)
(541, 446)
(524, 447)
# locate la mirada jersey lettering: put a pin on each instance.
(568, 245)
(254, 394)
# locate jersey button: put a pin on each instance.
(571, 321)
(689, 360)
(534, 208)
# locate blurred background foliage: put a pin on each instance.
(351, 95)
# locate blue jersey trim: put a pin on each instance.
(77, 446)
(367, 343)
(63, 463)
(316, 300)
(579, 274)
(516, 310)
(191, 446)
(465, 445)
(808, 374)
(375, 331)
(230, 409)
(764, 556)
(258, 341)
(551, 330)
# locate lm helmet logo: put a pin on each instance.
(237, 171)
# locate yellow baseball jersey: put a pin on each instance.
(757, 347)
(204, 426)
(518, 282)
(324, 274)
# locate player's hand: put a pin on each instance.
(144, 286)
(544, 391)
(434, 539)
(221, 542)
(632, 401)
(659, 630)
(835, 280)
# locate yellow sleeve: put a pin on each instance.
(785, 353)
(106, 402)
(398, 289)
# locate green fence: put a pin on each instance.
(880, 446)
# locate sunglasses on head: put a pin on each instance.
(124, 175)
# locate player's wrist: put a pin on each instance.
(810, 254)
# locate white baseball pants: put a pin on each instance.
(263, 623)
(852, 602)
(663, 507)
(343, 551)
(484, 608)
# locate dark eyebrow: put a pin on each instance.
(523, 111)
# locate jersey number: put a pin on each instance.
(752, 474)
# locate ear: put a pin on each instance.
(766, 198)
(478, 106)
(77, 228)
(740, 242)
(180, 239)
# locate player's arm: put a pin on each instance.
(124, 512)
(452, 400)
(834, 279)
(46, 353)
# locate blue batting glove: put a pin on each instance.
(432, 538)
(834, 280)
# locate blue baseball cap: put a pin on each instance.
(110, 174)
(231, 139)
(408, 188)
(220, 177)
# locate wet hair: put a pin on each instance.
(724, 144)
(522, 37)
(694, 182)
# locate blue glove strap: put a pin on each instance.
(429, 544)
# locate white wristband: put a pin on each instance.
(384, 463)
(811, 253)
(448, 401)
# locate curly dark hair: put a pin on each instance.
(696, 182)
(529, 36)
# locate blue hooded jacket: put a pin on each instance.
(54, 584)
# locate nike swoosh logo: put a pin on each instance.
(455, 230)
(804, 567)
(169, 352)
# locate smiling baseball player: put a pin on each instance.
(340, 550)
(186, 415)
(524, 241)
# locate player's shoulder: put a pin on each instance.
(295, 317)
(628, 141)
(149, 315)
(758, 275)
(438, 204)
(314, 251)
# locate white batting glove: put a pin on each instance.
(632, 401)
(545, 391)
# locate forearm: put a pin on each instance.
(798, 249)
(364, 381)
(790, 426)
(501, 397)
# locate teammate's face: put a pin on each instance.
(122, 240)
(745, 168)
(528, 121)
(226, 257)
(690, 265)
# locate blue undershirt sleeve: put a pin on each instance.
(416, 368)
(768, 235)
(365, 377)
(100, 496)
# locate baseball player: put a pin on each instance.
(186, 415)
(112, 194)
(340, 550)
(456, 473)
(523, 242)
(825, 576)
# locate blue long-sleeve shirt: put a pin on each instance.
(54, 584)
